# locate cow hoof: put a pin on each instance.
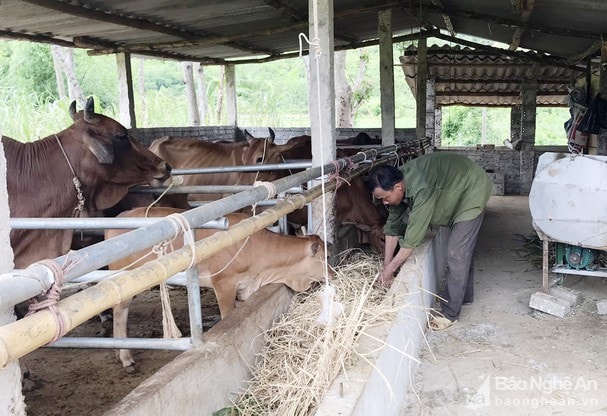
(130, 369)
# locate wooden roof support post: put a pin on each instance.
(528, 120)
(386, 77)
(125, 91)
(231, 107)
(321, 102)
(420, 88)
(601, 142)
(11, 399)
(431, 110)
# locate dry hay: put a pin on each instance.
(302, 356)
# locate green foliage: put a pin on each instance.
(30, 69)
(97, 76)
(271, 94)
(27, 118)
(462, 126)
(549, 126)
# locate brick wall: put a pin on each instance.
(501, 161)
(507, 162)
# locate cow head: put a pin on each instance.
(313, 263)
(263, 151)
(116, 160)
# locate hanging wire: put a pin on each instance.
(330, 308)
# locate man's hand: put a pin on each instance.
(385, 277)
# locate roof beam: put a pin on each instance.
(592, 50)
(293, 16)
(135, 23)
(446, 18)
(141, 48)
(361, 44)
(495, 93)
(35, 38)
(524, 8)
(117, 19)
(87, 42)
(466, 14)
(443, 80)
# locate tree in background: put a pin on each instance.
(350, 95)
(65, 69)
(190, 94)
(201, 93)
(271, 94)
(463, 126)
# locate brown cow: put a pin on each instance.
(238, 271)
(353, 204)
(96, 149)
(184, 153)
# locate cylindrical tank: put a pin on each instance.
(568, 199)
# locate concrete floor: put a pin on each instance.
(503, 358)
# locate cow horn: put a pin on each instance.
(89, 109)
(73, 110)
(272, 134)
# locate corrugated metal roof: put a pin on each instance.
(221, 31)
(464, 76)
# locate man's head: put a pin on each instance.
(386, 184)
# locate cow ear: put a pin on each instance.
(272, 134)
(72, 110)
(89, 110)
(313, 249)
(103, 152)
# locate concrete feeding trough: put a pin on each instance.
(207, 379)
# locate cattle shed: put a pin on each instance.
(531, 53)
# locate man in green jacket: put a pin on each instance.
(441, 189)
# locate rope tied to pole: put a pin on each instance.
(270, 187)
(182, 226)
(339, 180)
(50, 298)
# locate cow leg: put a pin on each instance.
(225, 291)
(121, 314)
(106, 320)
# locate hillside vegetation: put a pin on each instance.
(271, 94)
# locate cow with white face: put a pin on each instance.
(98, 152)
(237, 271)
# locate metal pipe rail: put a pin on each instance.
(98, 223)
(37, 279)
(201, 189)
(243, 168)
(23, 336)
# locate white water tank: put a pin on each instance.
(568, 199)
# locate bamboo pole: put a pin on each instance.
(26, 335)
(36, 279)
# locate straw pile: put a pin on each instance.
(303, 356)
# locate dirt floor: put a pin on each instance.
(503, 358)
(76, 382)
